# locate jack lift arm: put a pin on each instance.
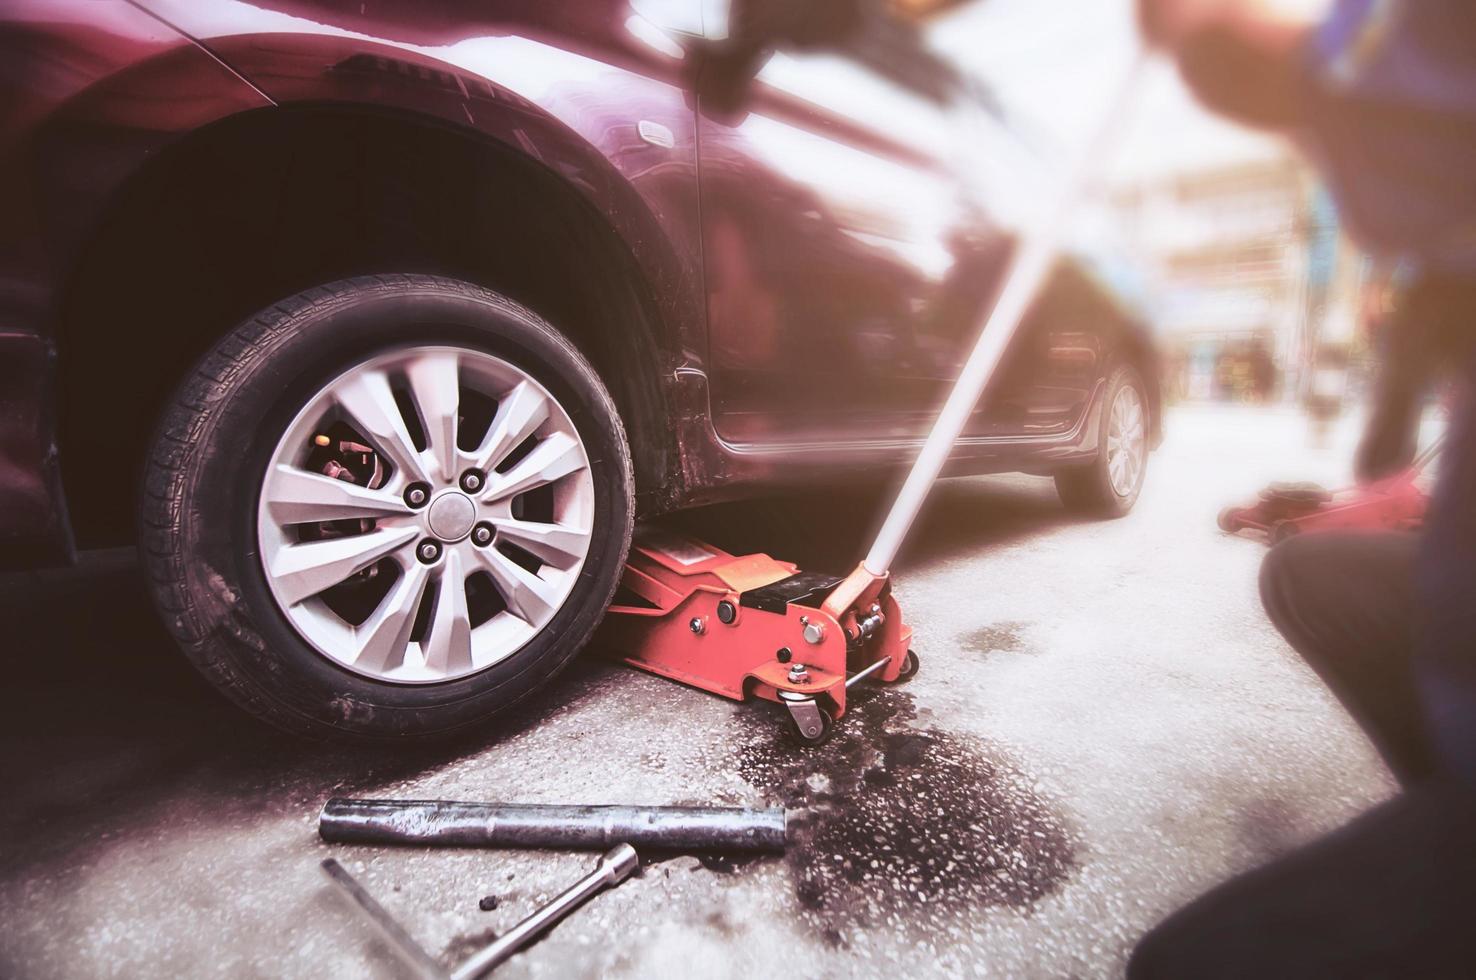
(751, 625)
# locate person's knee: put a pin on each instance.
(1331, 593)
(1182, 945)
(1289, 574)
(1151, 959)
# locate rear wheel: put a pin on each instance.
(389, 506)
(1109, 486)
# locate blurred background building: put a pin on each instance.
(1247, 277)
(1236, 253)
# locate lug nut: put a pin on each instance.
(784, 655)
(482, 535)
(697, 625)
(416, 494)
(799, 674)
(814, 632)
(471, 481)
(428, 551)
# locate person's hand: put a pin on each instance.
(1167, 23)
(1239, 56)
(1272, 24)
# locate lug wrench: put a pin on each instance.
(611, 869)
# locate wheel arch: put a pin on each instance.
(264, 203)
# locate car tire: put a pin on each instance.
(1109, 486)
(238, 520)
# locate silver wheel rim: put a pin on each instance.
(476, 601)
(1126, 444)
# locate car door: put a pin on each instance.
(848, 262)
(831, 227)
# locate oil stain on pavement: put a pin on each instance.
(1005, 637)
(906, 827)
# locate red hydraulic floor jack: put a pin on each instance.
(751, 625)
(745, 625)
(1395, 503)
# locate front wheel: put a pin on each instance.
(1109, 486)
(389, 506)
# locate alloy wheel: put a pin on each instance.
(1126, 441)
(426, 514)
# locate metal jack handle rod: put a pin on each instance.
(1028, 268)
(456, 824)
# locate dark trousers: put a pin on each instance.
(1345, 602)
(1392, 894)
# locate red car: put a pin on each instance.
(377, 323)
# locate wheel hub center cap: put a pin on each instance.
(451, 516)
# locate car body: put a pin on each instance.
(771, 318)
(376, 324)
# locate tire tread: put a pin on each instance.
(178, 439)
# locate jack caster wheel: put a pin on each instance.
(1282, 530)
(811, 727)
(910, 667)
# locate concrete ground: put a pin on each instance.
(1103, 727)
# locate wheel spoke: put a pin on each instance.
(557, 544)
(385, 635)
(448, 642)
(553, 458)
(303, 570)
(528, 597)
(295, 496)
(370, 403)
(435, 391)
(519, 413)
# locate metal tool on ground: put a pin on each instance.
(750, 625)
(455, 824)
(1395, 503)
(411, 952)
(611, 869)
